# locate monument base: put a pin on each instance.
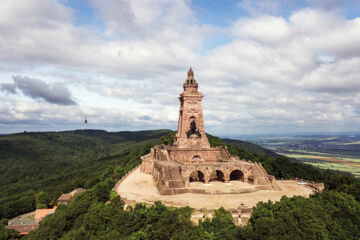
(173, 174)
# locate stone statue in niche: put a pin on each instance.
(193, 126)
(193, 130)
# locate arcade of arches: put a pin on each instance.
(237, 175)
(216, 175)
(196, 176)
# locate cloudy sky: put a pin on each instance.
(266, 66)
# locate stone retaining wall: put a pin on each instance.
(240, 216)
(123, 177)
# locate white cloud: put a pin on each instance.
(63, 45)
(276, 74)
(282, 77)
(138, 18)
(17, 15)
(267, 29)
(330, 4)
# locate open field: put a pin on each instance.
(329, 163)
(347, 161)
(340, 152)
(357, 142)
(336, 166)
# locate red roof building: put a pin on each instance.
(40, 214)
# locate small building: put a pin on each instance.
(30, 221)
(41, 214)
(77, 191)
(23, 229)
(26, 223)
(66, 197)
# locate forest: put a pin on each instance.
(33, 163)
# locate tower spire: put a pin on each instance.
(190, 73)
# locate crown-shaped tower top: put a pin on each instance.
(190, 84)
(190, 73)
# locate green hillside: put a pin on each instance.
(57, 162)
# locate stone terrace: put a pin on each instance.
(140, 187)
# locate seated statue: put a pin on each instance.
(193, 130)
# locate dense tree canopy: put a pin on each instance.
(330, 215)
(58, 162)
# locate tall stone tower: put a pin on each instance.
(191, 158)
(191, 132)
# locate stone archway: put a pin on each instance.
(217, 175)
(197, 176)
(237, 175)
(192, 118)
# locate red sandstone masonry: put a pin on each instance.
(172, 167)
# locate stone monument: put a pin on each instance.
(191, 159)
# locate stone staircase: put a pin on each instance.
(265, 177)
(173, 182)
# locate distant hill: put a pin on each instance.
(251, 147)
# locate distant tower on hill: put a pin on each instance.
(86, 121)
